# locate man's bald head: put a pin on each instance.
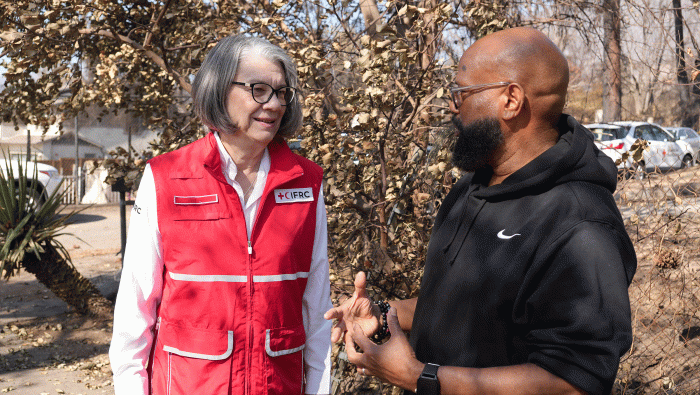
(528, 57)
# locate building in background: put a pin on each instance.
(98, 135)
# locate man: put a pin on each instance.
(526, 277)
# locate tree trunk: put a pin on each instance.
(370, 13)
(61, 278)
(681, 72)
(429, 47)
(695, 96)
(612, 96)
(696, 77)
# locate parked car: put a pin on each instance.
(664, 151)
(609, 138)
(689, 136)
(47, 177)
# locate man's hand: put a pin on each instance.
(393, 362)
(356, 311)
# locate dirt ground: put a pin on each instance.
(46, 348)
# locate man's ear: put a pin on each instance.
(512, 101)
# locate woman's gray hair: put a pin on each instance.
(214, 79)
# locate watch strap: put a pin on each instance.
(428, 383)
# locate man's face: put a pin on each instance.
(476, 142)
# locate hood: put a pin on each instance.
(573, 158)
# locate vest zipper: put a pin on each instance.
(250, 315)
(250, 281)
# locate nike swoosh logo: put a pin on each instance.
(505, 237)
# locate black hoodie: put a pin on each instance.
(532, 270)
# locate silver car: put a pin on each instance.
(688, 136)
(663, 151)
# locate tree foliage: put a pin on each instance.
(374, 75)
(374, 89)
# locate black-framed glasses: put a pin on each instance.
(262, 92)
(458, 93)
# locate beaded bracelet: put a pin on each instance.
(383, 332)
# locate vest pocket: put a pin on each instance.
(284, 364)
(198, 208)
(192, 360)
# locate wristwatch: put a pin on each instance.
(428, 383)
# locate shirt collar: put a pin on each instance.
(228, 166)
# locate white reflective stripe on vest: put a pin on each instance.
(237, 279)
(280, 352)
(280, 277)
(207, 278)
(203, 356)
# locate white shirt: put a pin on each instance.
(141, 287)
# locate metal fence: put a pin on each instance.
(75, 187)
(661, 216)
(70, 187)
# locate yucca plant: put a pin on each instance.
(28, 235)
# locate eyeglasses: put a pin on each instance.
(458, 92)
(262, 92)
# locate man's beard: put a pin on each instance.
(476, 143)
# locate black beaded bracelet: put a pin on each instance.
(383, 332)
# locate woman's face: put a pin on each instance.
(257, 123)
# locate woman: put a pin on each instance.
(225, 277)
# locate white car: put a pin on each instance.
(609, 138)
(663, 153)
(47, 175)
(689, 136)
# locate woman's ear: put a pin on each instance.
(512, 101)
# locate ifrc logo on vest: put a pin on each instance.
(294, 195)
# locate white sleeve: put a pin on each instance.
(316, 301)
(140, 292)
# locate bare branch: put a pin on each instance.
(154, 57)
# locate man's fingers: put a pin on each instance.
(336, 333)
(333, 313)
(392, 319)
(359, 338)
(344, 312)
(354, 357)
(361, 285)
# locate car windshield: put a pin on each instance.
(682, 133)
(676, 132)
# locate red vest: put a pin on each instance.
(230, 321)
